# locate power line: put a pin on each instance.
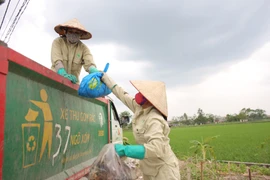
(5, 14)
(15, 22)
(10, 19)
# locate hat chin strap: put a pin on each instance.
(143, 101)
(73, 43)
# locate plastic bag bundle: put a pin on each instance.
(92, 86)
(109, 166)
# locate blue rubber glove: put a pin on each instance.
(120, 149)
(63, 73)
(92, 69)
(133, 151)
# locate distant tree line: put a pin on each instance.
(246, 114)
(199, 118)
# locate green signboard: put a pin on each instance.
(48, 127)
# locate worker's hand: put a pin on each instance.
(71, 77)
(120, 149)
(133, 151)
(92, 69)
(108, 81)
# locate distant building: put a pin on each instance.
(219, 120)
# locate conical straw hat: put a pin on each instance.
(73, 23)
(155, 92)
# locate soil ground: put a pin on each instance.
(134, 164)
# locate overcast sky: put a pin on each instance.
(213, 55)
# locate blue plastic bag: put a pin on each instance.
(92, 86)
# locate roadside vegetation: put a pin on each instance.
(220, 150)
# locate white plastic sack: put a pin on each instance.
(109, 166)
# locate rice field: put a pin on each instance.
(245, 142)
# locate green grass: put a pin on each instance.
(236, 142)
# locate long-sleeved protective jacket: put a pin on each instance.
(72, 56)
(151, 130)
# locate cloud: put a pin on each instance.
(175, 36)
(30, 37)
(243, 84)
(211, 55)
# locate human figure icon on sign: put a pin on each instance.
(48, 124)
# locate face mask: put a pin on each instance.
(73, 37)
(140, 99)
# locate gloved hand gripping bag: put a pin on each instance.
(109, 165)
(92, 86)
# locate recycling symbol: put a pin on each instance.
(31, 144)
(93, 83)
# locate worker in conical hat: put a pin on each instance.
(150, 129)
(69, 54)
